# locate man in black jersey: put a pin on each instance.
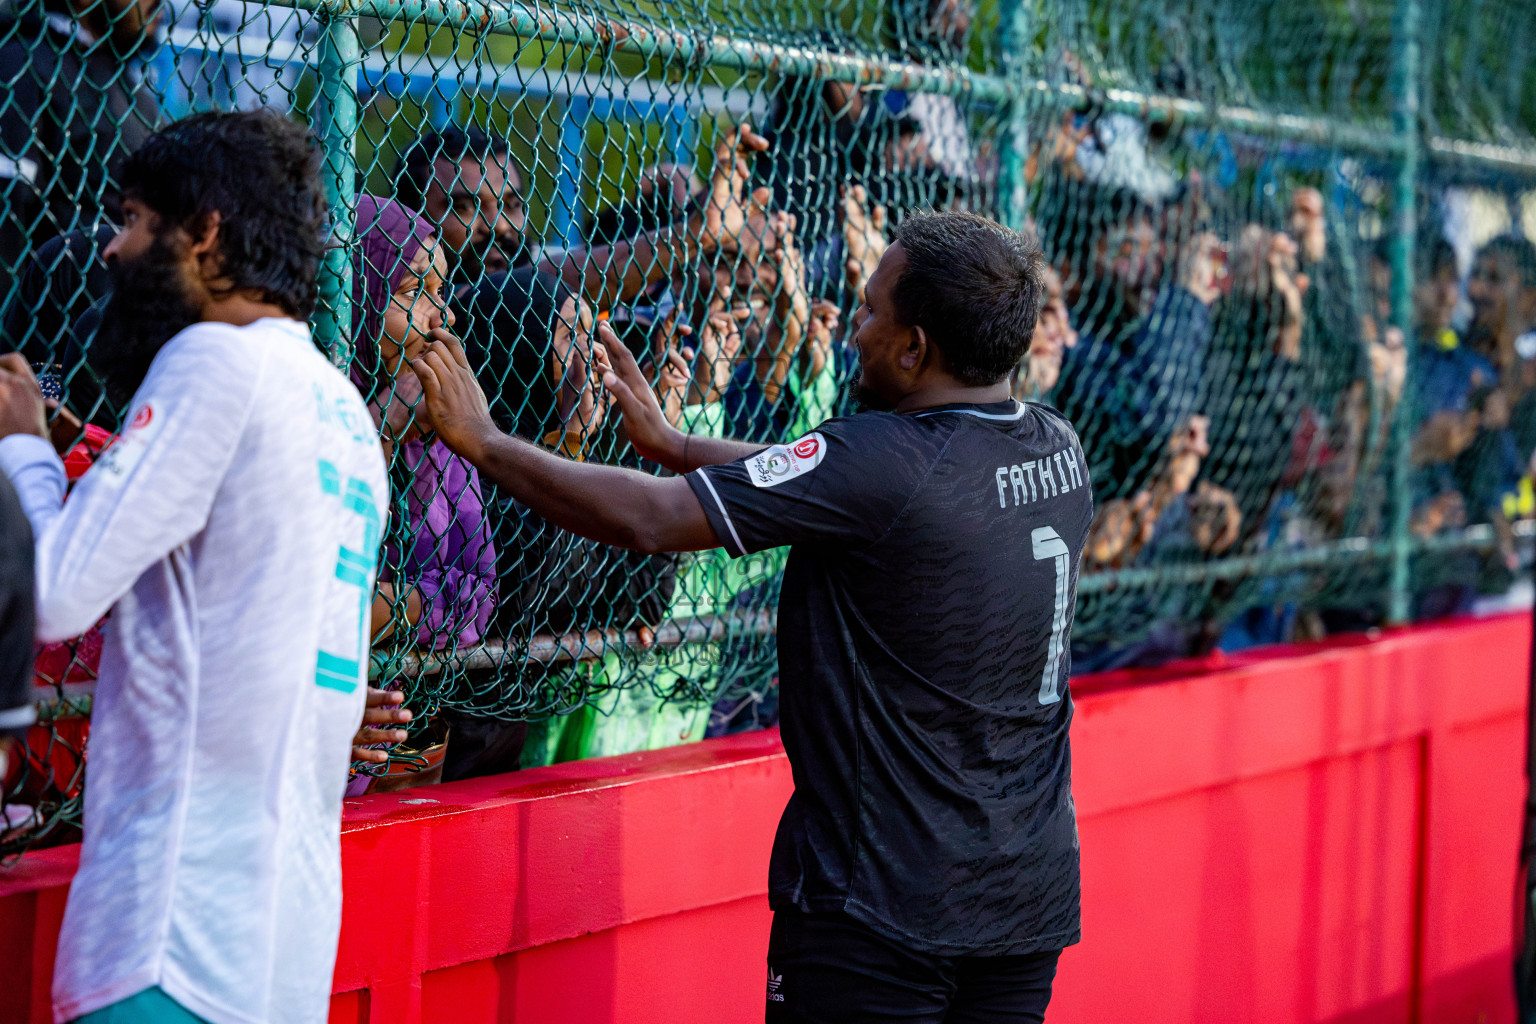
(926, 868)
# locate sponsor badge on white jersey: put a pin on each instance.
(782, 462)
(128, 448)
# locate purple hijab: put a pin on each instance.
(389, 235)
(444, 548)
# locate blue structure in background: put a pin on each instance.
(237, 55)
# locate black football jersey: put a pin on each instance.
(924, 648)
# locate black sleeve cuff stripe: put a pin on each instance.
(733, 545)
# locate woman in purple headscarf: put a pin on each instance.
(438, 572)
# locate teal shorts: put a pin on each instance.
(152, 1006)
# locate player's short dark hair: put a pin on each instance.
(260, 172)
(1519, 252)
(974, 287)
(417, 165)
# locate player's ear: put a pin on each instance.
(916, 352)
(205, 246)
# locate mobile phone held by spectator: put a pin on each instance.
(49, 381)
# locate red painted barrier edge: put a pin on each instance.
(470, 871)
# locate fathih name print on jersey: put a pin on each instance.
(1057, 473)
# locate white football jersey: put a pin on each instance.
(232, 529)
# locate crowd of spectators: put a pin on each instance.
(1234, 385)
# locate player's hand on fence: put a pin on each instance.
(454, 403)
(21, 400)
(383, 711)
(644, 420)
(734, 219)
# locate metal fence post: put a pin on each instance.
(336, 118)
(1405, 123)
(1013, 196)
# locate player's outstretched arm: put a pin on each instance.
(605, 503)
(650, 432)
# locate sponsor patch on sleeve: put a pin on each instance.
(773, 466)
(128, 448)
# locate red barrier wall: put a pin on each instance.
(1321, 834)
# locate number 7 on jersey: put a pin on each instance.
(1048, 544)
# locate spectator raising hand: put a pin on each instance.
(1389, 364)
(825, 318)
(732, 220)
(1053, 336)
(719, 344)
(1214, 518)
(792, 309)
(1124, 526)
(1264, 272)
(1308, 225)
(1199, 272)
(580, 408)
(864, 236)
(670, 366)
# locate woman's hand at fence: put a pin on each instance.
(382, 710)
(21, 400)
(455, 405)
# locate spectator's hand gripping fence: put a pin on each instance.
(1287, 427)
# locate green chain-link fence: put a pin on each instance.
(1292, 316)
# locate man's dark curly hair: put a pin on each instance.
(260, 172)
(974, 287)
(417, 165)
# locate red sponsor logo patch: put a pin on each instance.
(807, 447)
(141, 418)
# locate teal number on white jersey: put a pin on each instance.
(353, 569)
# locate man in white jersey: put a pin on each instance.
(232, 531)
